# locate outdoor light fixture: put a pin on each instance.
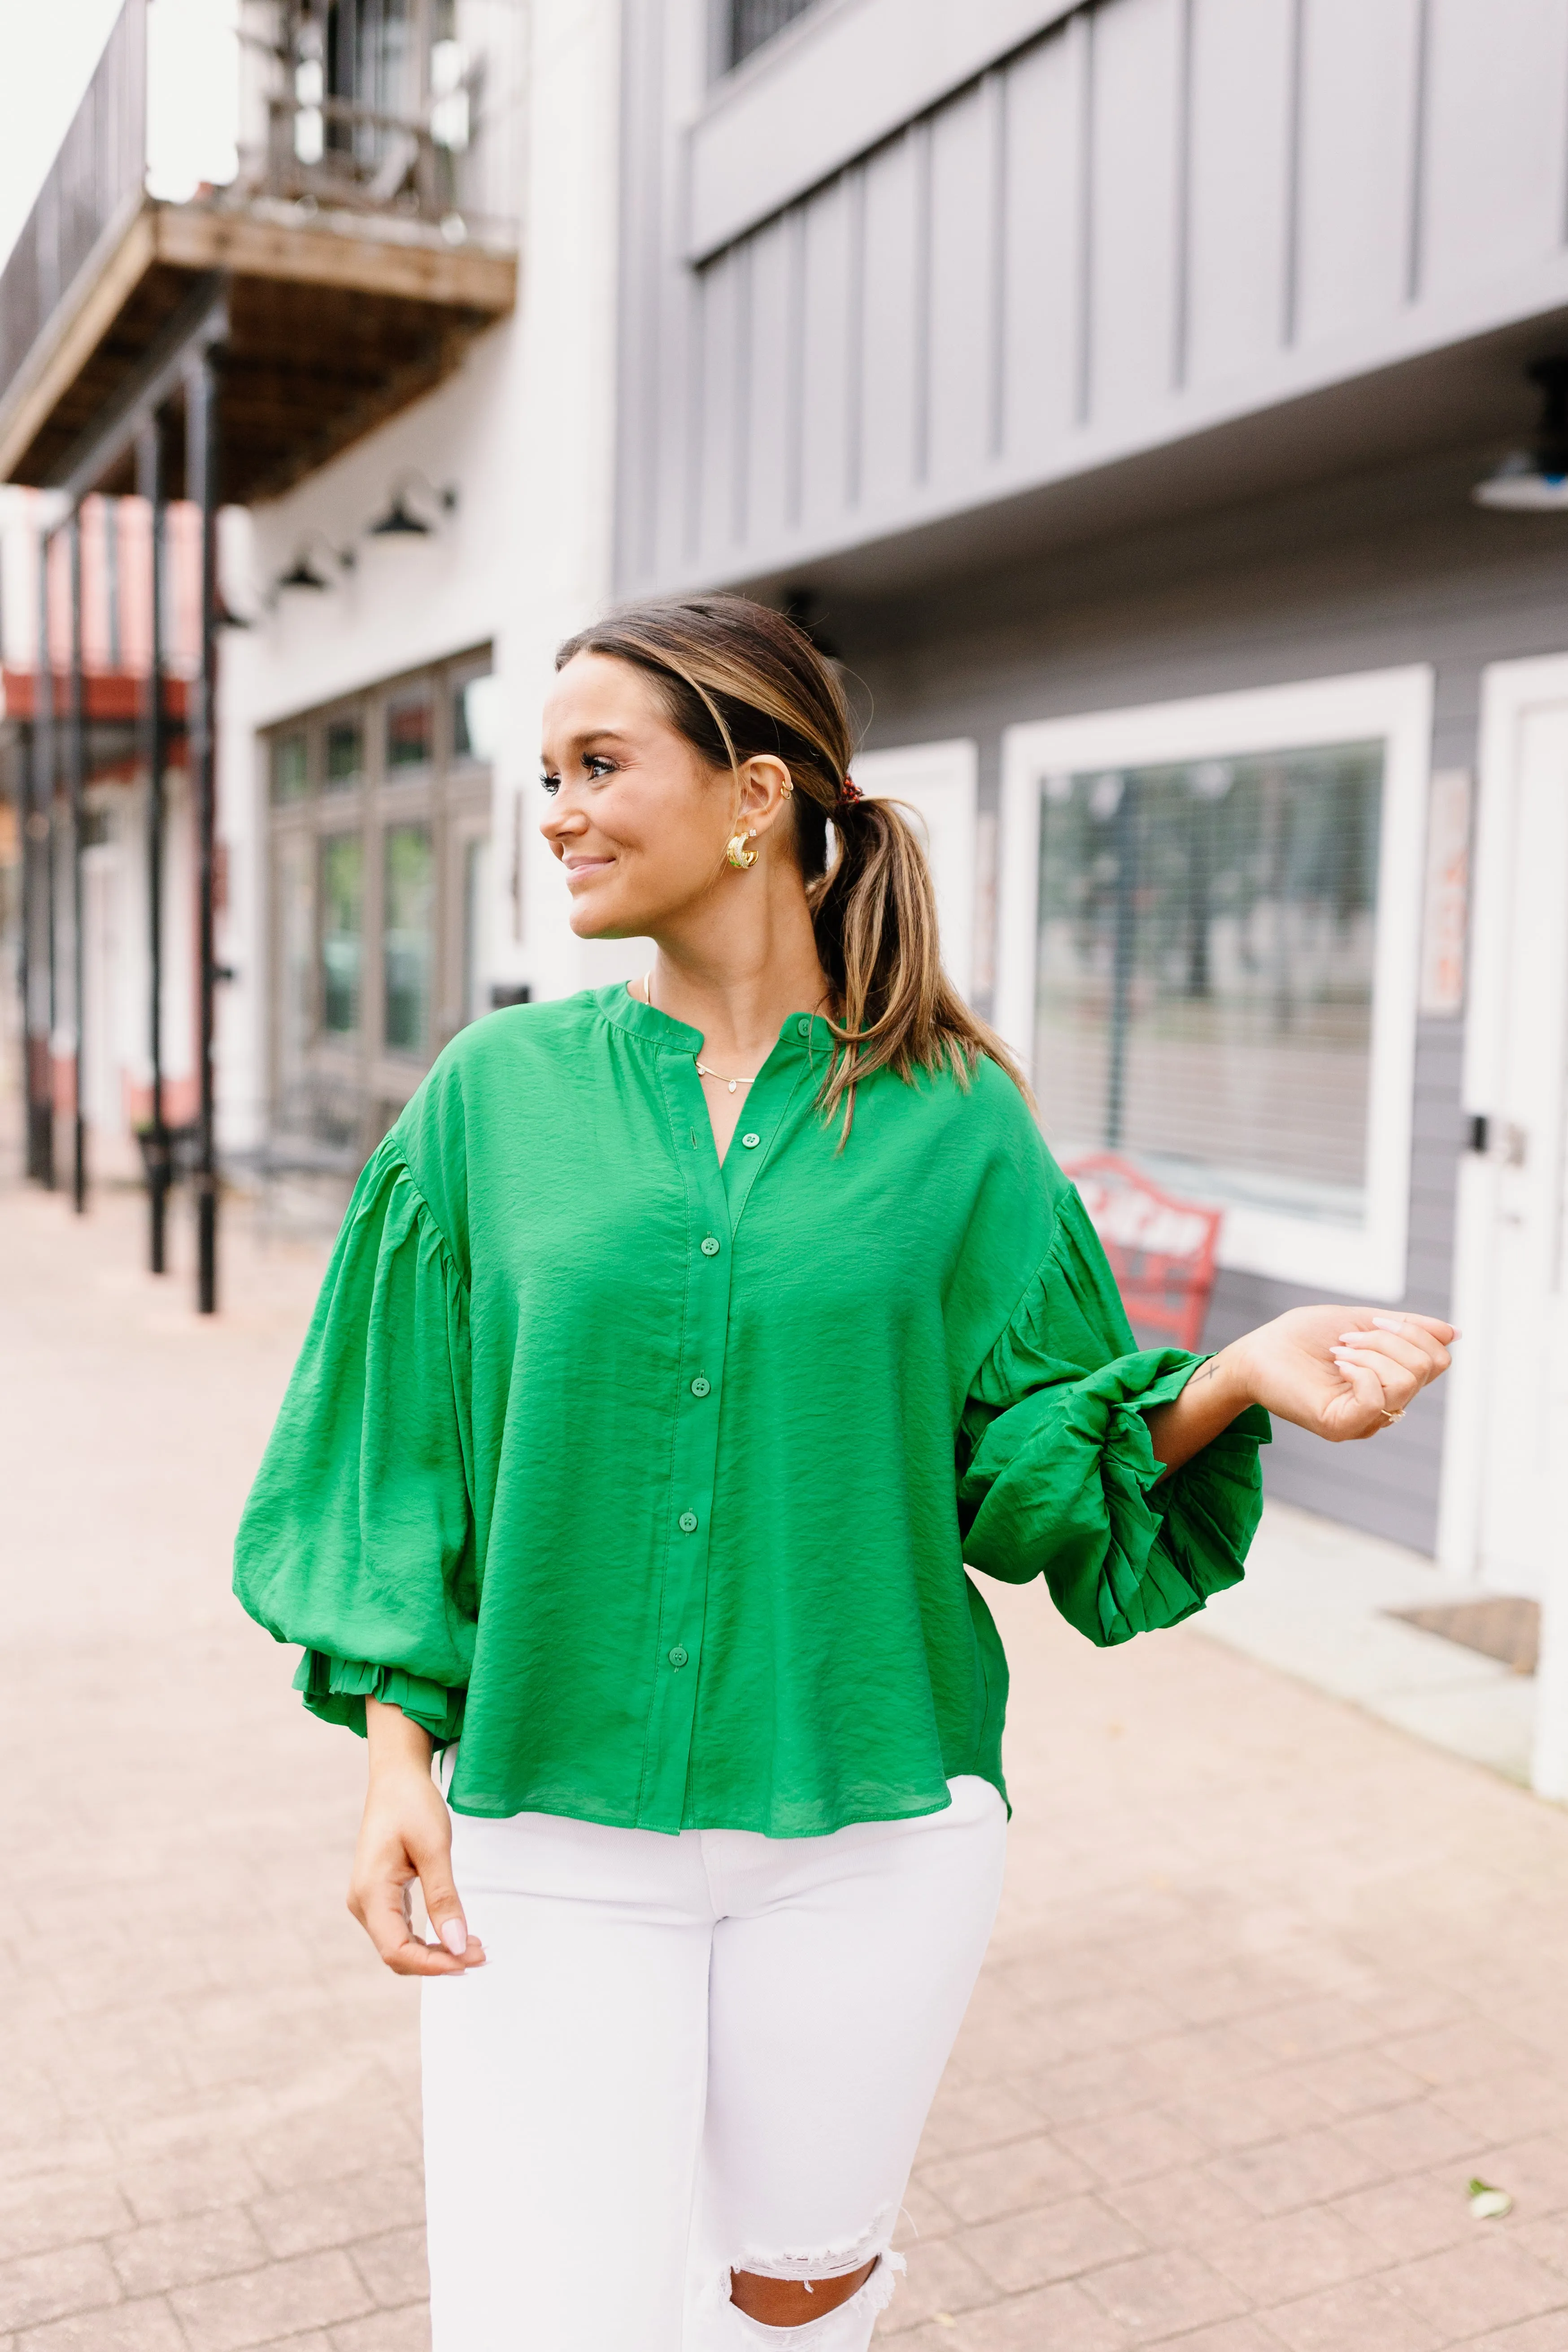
(1536, 482)
(302, 572)
(400, 520)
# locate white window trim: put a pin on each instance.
(1395, 705)
(940, 783)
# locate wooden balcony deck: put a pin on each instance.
(337, 320)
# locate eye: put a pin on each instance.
(598, 765)
(548, 783)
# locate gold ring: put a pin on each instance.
(1391, 1416)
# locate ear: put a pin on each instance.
(765, 789)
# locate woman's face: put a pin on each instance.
(637, 820)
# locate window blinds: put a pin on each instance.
(1206, 973)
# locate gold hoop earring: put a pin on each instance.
(739, 855)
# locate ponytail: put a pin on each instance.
(740, 681)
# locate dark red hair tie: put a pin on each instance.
(849, 792)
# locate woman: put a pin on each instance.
(681, 1344)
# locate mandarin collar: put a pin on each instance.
(801, 1034)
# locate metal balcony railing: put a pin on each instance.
(96, 177)
(357, 106)
(369, 104)
(753, 23)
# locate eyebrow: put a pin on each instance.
(578, 746)
(597, 735)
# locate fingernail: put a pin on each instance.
(455, 1936)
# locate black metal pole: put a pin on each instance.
(26, 962)
(24, 914)
(149, 486)
(41, 826)
(201, 483)
(79, 825)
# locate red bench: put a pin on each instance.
(1161, 1250)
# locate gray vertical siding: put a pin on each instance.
(1144, 218)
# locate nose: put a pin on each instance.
(560, 822)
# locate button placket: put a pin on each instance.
(715, 1199)
(776, 1089)
(693, 1464)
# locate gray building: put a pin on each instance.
(1108, 386)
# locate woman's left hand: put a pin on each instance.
(1343, 1372)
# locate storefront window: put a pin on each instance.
(291, 770)
(409, 729)
(407, 936)
(294, 899)
(1206, 936)
(346, 753)
(343, 932)
(1208, 952)
(379, 951)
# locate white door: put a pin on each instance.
(1526, 1437)
(1508, 1432)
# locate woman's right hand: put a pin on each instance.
(406, 1834)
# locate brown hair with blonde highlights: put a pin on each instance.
(740, 681)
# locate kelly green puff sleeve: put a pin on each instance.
(1058, 1476)
(357, 1540)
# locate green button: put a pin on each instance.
(677, 1656)
(687, 1523)
(803, 1027)
(710, 1247)
(750, 1142)
(700, 1387)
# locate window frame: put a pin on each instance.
(941, 781)
(1393, 705)
(454, 799)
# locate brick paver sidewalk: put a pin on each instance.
(1271, 1982)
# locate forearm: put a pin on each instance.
(1339, 1372)
(394, 1740)
(1217, 1391)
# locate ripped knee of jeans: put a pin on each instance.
(811, 2268)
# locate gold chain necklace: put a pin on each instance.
(731, 1083)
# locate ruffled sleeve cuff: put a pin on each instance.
(336, 1689)
(1064, 1483)
(1171, 1540)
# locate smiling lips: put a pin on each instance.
(578, 870)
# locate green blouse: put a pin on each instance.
(654, 1478)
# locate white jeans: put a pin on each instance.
(688, 2055)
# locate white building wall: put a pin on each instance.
(524, 434)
